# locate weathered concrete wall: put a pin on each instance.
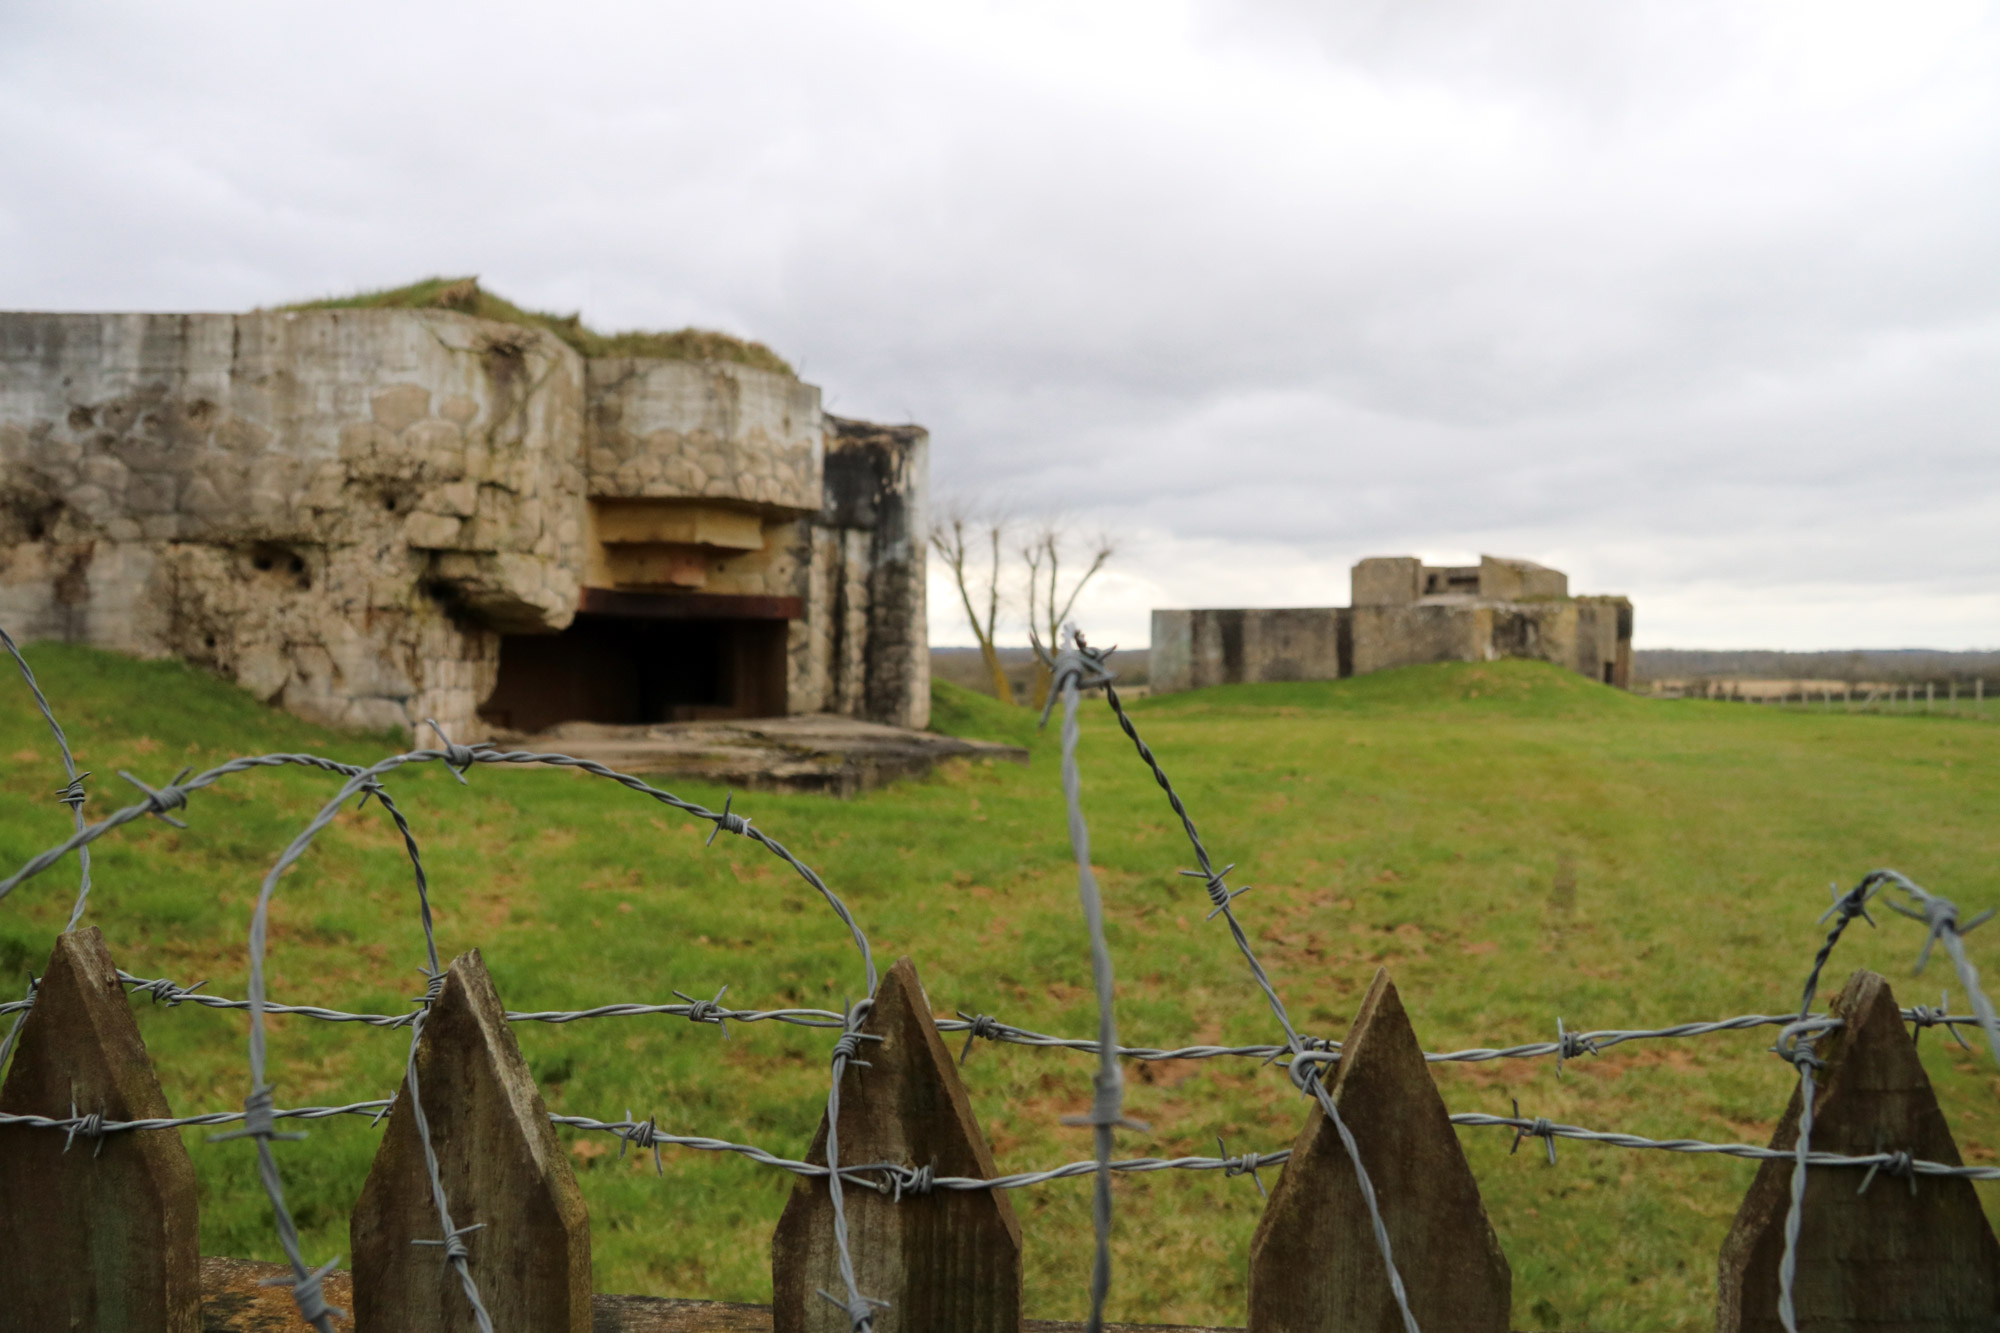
(1519, 580)
(1435, 630)
(311, 503)
(1170, 660)
(876, 479)
(704, 430)
(1195, 649)
(1604, 639)
(345, 510)
(1387, 580)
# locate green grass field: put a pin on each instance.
(1512, 842)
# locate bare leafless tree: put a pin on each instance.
(958, 537)
(1048, 604)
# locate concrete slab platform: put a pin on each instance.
(817, 752)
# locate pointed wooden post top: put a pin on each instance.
(110, 1242)
(1315, 1266)
(944, 1260)
(908, 1104)
(1887, 1259)
(502, 1170)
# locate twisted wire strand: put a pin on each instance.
(989, 1028)
(1788, 1264)
(1940, 918)
(168, 993)
(454, 1246)
(985, 1027)
(1701, 1147)
(71, 794)
(860, 1309)
(648, 1135)
(373, 1109)
(90, 833)
(1794, 1045)
(1107, 1105)
(20, 1008)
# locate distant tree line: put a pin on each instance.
(1872, 664)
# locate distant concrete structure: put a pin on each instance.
(1405, 612)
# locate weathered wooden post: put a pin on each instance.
(503, 1171)
(1315, 1266)
(1911, 1253)
(97, 1233)
(946, 1261)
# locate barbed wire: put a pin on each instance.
(1303, 1067)
(258, 1123)
(1071, 670)
(1940, 918)
(96, 1125)
(70, 794)
(1794, 1046)
(1076, 669)
(985, 1027)
(645, 1134)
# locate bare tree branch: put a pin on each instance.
(1048, 607)
(953, 537)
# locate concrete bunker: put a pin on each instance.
(379, 514)
(1405, 612)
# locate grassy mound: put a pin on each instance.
(957, 711)
(466, 296)
(1511, 842)
(1507, 688)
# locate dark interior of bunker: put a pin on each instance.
(635, 671)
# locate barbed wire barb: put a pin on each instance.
(159, 801)
(708, 1011)
(1922, 1016)
(725, 822)
(1245, 1165)
(458, 758)
(1538, 1128)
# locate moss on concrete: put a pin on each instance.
(466, 296)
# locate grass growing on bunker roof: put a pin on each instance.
(467, 297)
(1511, 841)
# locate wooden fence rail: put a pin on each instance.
(98, 1233)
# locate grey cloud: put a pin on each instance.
(1687, 291)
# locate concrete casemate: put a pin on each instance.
(376, 516)
(1404, 612)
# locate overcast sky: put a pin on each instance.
(1697, 301)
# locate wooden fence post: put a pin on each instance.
(1894, 1258)
(1315, 1266)
(97, 1234)
(948, 1261)
(503, 1170)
